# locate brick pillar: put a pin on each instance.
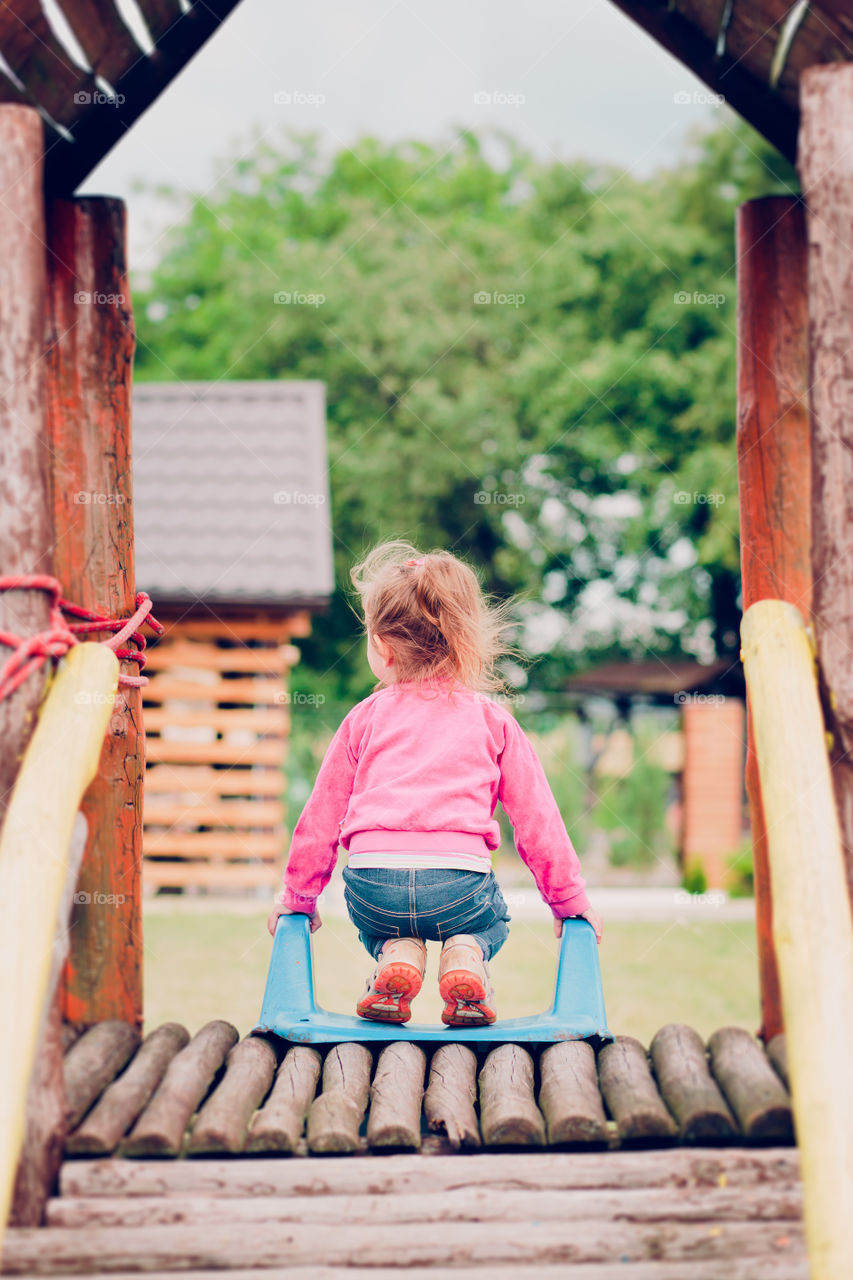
(714, 744)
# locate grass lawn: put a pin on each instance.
(200, 966)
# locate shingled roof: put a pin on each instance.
(231, 496)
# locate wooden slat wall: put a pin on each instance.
(216, 722)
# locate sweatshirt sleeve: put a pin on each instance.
(540, 833)
(314, 843)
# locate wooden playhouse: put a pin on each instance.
(233, 540)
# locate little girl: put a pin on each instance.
(408, 788)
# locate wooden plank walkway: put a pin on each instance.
(441, 1163)
(682, 1214)
(214, 1095)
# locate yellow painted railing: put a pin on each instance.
(812, 924)
(58, 766)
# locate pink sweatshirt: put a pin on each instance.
(431, 767)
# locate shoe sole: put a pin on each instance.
(465, 1000)
(394, 989)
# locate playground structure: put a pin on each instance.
(715, 1204)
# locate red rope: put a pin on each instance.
(55, 641)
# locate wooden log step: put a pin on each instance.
(93, 1062)
(451, 1095)
(752, 1088)
(69, 1035)
(121, 1102)
(569, 1097)
(334, 1120)
(400, 1174)
(204, 783)
(223, 1122)
(160, 1129)
(278, 1125)
(777, 1052)
(631, 1094)
(396, 1095)
(465, 1203)
(466, 1244)
(764, 1267)
(509, 1115)
(688, 1088)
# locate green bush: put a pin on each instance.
(633, 809)
(742, 878)
(694, 879)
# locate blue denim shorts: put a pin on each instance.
(430, 903)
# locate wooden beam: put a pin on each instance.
(348, 1175)
(774, 468)
(41, 64)
(100, 128)
(89, 361)
(104, 38)
(25, 527)
(825, 164)
(765, 110)
(812, 926)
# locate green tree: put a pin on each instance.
(545, 433)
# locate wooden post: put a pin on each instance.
(89, 362)
(34, 850)
(46, 1122)
(825, 163)
(812, 926)
(774, 464)
(25, 528)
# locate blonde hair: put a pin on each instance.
(430, 610)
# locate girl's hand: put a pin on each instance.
(279, 910)
(592, 916)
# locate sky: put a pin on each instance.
(570, 78)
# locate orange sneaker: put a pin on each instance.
(464, 984)
(395, 981)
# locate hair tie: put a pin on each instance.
(413, 563)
